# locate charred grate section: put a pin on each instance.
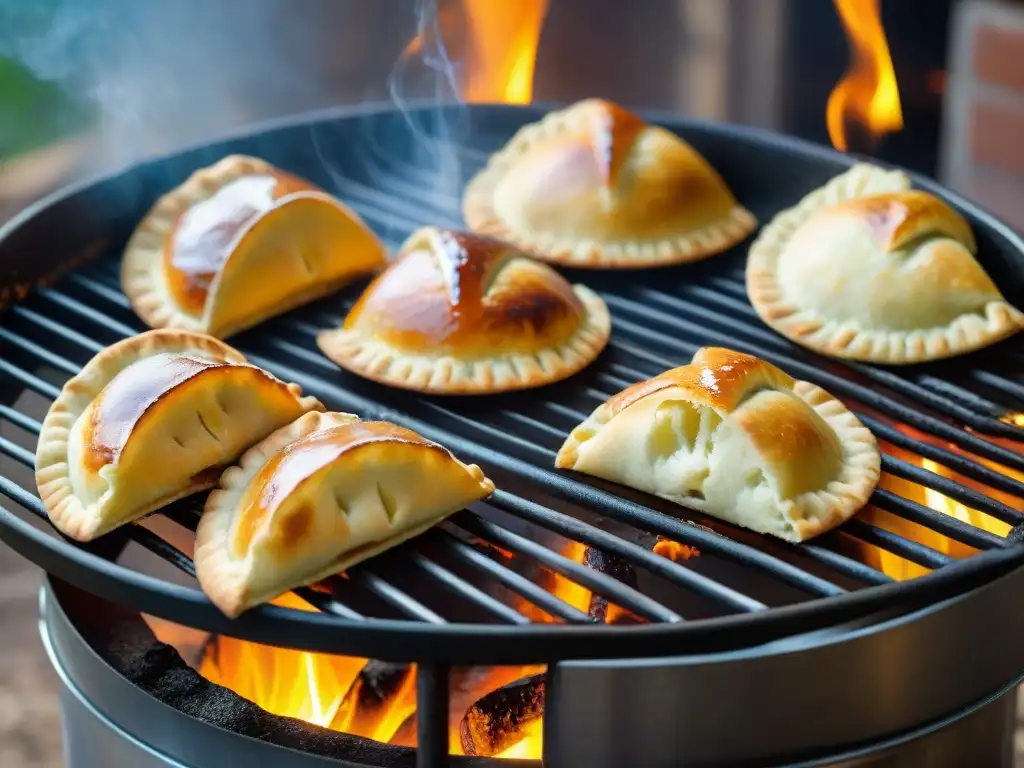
(469, 592)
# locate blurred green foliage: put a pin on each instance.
(35, 112)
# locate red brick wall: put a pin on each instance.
(983, 131)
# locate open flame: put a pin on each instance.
(895, 566)
(494, 44)
(504, 37)
(368, 698)
(1014, 417)
(867, 98)
(309, 686)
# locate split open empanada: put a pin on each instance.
(319, 496)
(239, 242)
(593, 185)
(869, 269)
(736, 438)
(149, 420)
(467, 314)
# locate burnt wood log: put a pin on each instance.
(379, 687)
(496, 721)
(613, 566)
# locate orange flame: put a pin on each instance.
(309, 686)
(1014, 417)
(503, 49)
(867, 95)
(499, 48)
(895, 566)
(324, 690)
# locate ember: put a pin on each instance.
(674, 551)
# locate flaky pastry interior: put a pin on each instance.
(317, 497)
(593, 185)
(463, 313)
(869, 269)
(150, 420)
(239, 242)
(736, 438)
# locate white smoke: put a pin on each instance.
(426, 87)
(164, 74)
(168, 74)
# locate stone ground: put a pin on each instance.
(29, 711)
(30, 735)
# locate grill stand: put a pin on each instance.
(109, 721)
(793, 698)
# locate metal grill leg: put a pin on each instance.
(432, 716)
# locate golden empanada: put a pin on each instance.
(869, 269)
(593, 185)
(319, 496)
(734, 437)
(149, 420)
(239, 242)
(467, 314)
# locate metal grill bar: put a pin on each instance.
(379, 586)
(589, 534)
(596, 581)
(432, 694)
(378, 205)
(326, 604)
(462, 587)
(901, 546)
(657, 523)
(522, 441)
(19, 419)
(833, 383)
(518, 584)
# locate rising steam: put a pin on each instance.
(426, 87)
(165, 75)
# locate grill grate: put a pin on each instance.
(48, 336)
